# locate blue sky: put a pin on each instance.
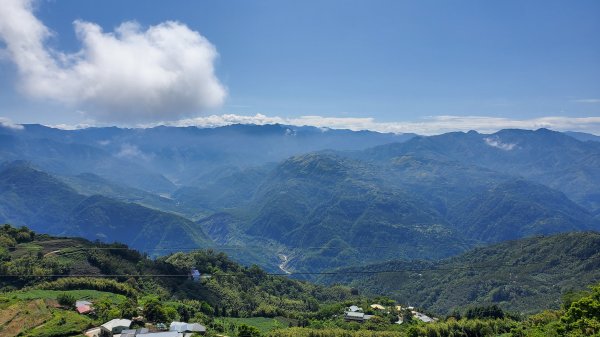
(390, 61)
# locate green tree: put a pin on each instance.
(66, 300)
(128, 308)
(154, 311)
(492, 311)
(248, 331)
(407, 316)
(583, 316)
(207, 309)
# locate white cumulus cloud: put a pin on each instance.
(132, 74)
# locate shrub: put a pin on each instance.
(66, 300)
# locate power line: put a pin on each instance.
(345, 272)
(238, 247)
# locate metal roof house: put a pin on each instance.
(161, 334)
(423, 317)
(187, 327)
(356, 316)
(82, 303)
(354, 308)
(114, 327)
(134, 332)
(84, 309)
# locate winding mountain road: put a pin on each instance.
(284, 261)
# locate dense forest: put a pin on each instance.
(520, 275)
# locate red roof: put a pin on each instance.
(84, 309)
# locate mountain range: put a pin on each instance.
(157, 159)
(299, 198)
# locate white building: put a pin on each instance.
(354, 308)
(187, 327)
(115, 326)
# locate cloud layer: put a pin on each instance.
(130, 75)
(427, 126)
(7, 123)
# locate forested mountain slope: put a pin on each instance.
(521, 275)
(334, 210)
(34, 198)
(548, 157)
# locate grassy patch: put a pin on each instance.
(33, 314)
(26, 248)
(21, 317)
(263, 324)
(63, 323)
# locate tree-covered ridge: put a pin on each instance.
(522, 275)
(548, 157)
(41, 261)
(46, 204)
(349, 211)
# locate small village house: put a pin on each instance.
(84, 307)
(114, 327)
(354, 308)
(187, 327)
(359, 317)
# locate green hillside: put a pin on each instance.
(341, 205)
(90, 184)
(42, 276)
(37, 268)
(522, 275)
(333, 211)
(34, 198)
(518, 208)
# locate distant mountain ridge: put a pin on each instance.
(548, 157)
(36, 199)
(179, 154)
(582, 136)
(320, 198)
(68, 158)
